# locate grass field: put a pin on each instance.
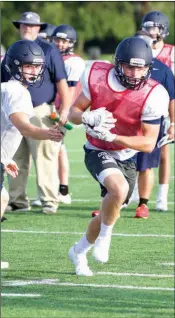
(40, 282)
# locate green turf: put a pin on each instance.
(41, 257)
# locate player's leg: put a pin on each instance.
(4, 193)
(145, 164)
(106, 171)
(164, 179)
(4, 203)
(18, 200)
(63, 172)
(45, 156)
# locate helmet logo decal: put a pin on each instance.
(16, 62)
(61, 35)
(149, 24)
(137, 62)
(37, 61)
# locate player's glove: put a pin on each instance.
(100, 133)
(99, 117)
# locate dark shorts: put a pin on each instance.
(97, 160)
(150, 160)
(2, 176)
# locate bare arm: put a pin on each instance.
(145, 143)
(78, 108)
(22, 123)
(63, 90)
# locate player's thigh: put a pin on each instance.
(97, 161)
(105, 169)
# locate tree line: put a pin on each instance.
(92, 20)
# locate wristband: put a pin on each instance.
(172, 124)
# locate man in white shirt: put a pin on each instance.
(123, 119)
(25, 63)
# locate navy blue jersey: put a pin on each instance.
(55, 71)
(163, 75)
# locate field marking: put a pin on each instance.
(167, 264)
(81, 176)
(81, 233)
(20, 295)
(99, 200)
(135, 274)
(57, 283)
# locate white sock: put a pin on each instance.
(163, 192)
(83, 246)
(106, 230)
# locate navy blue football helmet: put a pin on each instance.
(68, 33)
(156, 19)
(24, 52)
(136, 52)
(47, 32)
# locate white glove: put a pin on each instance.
(99, 117)
(100, 133)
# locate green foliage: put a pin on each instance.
(91, 20)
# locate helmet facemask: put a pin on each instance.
(161, 35)
(127, 81)
(17, 72)
(69, 48)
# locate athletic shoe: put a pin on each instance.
(4, 265)
(95, 213)
(3, 219)
(66, 199)
(48, 209)
(81, 263)
(162, 205)
(101, 249)
(142, 212)
(36, 203)
(14, 208)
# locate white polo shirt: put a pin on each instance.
(15, 98)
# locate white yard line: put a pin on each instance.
(167, 264)
(99, 200)
(55, 282)
(81, 176)
(135, 274)
(20, 295)
(81, 233)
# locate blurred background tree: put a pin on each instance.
(101, 24)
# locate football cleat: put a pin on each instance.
(81, 263)
(66, 199)
(162, 205)
(95, 213)
(142, 212)
(101, 249)
(47, 209)
(4, 265)
(14, 208)
(36, 203)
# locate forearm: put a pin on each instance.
(140, 143)
(75, 115)
(34, 132)
(63, 90)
